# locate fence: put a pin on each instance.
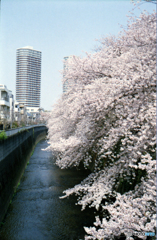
(14, 140)
(20, 129)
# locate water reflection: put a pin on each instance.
(36, 212)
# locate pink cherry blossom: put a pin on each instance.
(107, 121)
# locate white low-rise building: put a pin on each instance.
(23, 112)
(11, 100)
(17, 112)
(34, 114)
(6, 106)
(11, 111)
(4, 102)
(20, 112)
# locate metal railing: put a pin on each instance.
(16, 130)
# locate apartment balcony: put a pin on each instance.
(4, 101)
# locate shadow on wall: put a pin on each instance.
(15, 152)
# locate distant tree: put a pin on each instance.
(107, 121)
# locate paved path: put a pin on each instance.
(36, 212)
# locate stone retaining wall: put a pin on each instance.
(15, 152)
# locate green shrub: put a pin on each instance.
(15, 124)
(22, 124)
(3, 135)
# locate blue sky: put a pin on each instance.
(57, 29)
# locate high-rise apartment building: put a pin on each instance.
(66, 66)
(28, 76)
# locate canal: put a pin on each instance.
(36, 212)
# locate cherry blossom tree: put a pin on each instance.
(106, 121)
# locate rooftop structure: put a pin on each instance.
(67, 82)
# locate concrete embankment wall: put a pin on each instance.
(15, 152)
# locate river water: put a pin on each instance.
(36, 212)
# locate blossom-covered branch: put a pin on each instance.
(107, 122)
